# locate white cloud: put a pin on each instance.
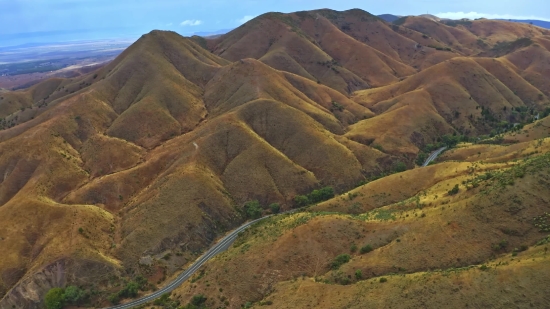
(245, 19)
(474, 15)
(191, 22)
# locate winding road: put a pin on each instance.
(433, 156)
(221, 246)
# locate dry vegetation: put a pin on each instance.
(115, 180)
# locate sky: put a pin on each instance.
(31, 21)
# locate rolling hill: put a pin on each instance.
(126, 174)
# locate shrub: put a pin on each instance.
(422, 156)
(353, 248)
(454, 190)
(55, 299)
(114, 298)
(198, 300)
(399, 167)
(382, 280)
(252, 209)
(74, 295)
(358, 274)
(301, 200)
(340, 260)
(275, 208)
(366, 249)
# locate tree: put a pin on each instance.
(74, 295)
(275, 208)
(366, 249)
(55, 298)
(339, 260)
(198, 300)
(252, 209)
(399, 167)
(301, 200)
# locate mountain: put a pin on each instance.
(539, 23)
(389, 17)
(116, 180)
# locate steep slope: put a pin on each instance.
(405, 228)
(464, 97)
(156, 157)
(294, 43)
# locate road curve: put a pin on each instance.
(222, 245)
(433, 156)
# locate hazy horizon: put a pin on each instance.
(44, 21)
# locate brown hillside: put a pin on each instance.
(135, 169)
(423, 233)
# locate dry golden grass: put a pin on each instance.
(421, 235)
(153, 156)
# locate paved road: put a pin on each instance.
(433, 156)
(222, 245)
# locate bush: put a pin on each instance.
(353, 248)
(114, 298)
(340, 260)
(74, 295)
(454, 190)
(315, 196)
(358, 274)
(198, 300)
(275, 208)
(301, 200)
(252, 210)
(382, 280)
(366, 249)
(399, 167)
(130, 290)
(55, 298)
(422, 156)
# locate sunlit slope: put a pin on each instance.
(448, 97)
(412, 229)
(115, 159)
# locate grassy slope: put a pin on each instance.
(421, 235)
(113, 152)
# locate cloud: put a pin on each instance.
(474, 15)
(245, 19)
(191, 22)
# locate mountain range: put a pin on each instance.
(120, 178)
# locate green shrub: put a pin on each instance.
(301, 200)
(252, 210)
(454, 190)
(358, 274)
(275, 208)
(340, 260)
(198, 300)
(399, 167)
(75, 295)
(353, 248)
(55, 298)
(315, 196)
(382, 280)
(366, 249)
(114, 298)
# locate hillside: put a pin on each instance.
(121, 177)
(405, 228)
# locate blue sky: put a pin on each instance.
(94, 19)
